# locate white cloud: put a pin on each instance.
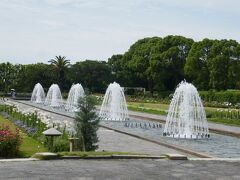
(95, 29)
(62, 2)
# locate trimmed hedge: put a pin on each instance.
(225, 97)
(229, 98)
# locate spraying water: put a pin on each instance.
(114, 106)
(186, 116)
(74, 94)
(54, 97)
(38, 95)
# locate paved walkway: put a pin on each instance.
(113, 141)
(119, 169)
(212, 126)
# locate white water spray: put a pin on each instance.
(54, 97)
(74, 94)
(114, 106)
(186, 115)
(38, 95)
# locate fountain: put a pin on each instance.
(75, 92)
(38, 95)
(54, 97)
(114, 106)
(186, 116)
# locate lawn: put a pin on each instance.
(29, 146)
(152, 108)
(233, 122)
(162, 107)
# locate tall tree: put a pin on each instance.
(8, 74)
(157, 62)
(31, 74)
(94, 75)
(196, 67)
(173, 53)
(60, 65)
(214, 64)
(136, 62)
(223, 55)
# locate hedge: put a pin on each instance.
(227, 97)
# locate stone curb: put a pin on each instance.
(115, 157)
(54, 156)
(19, 160)
(215, 159)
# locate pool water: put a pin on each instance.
(217, 145)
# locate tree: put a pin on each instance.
(31, 74)
(156, 63)
(87, 123)
(94, 75)
(8, 74)
(172, 52)
(196, 67)
(60, 65)
(136, 63)
(118, 70)
(223, 55)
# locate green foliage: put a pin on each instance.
(87, 123)
(154, 63)
(214, 64)
(60, 65)
(147, 110)
(221, 98)
(84, 154)
(30, 126)
(93, 75)
(233, 122)
(196, 67)
(60, 144)
(29, 145)
(8, 73)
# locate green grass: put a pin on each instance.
(29, 145)
(163, 107)
(145, 110)
(235, 122)
(95, 153)
(156, 106)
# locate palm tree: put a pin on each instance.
(60, 65)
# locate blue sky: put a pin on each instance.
(37, 30)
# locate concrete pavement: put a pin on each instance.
(119, 169)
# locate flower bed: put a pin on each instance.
(10, 141)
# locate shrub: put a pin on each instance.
(9, 142)
(221, 98)
(60, 145)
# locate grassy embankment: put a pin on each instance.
(29, 145)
